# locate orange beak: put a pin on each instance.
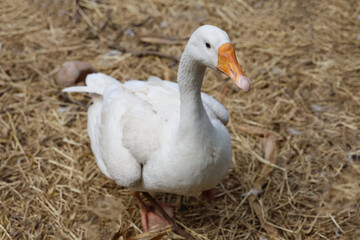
(228, 64)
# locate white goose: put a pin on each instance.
(159, 136)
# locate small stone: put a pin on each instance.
(163, 24)
(72, 72)
(293, 131)
(129, 32)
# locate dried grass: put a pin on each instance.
(303, 58)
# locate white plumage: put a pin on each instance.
(158, 136)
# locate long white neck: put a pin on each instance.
(190, 77)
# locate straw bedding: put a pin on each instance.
(295, 135)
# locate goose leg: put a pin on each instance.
(151, 217)
(209, 195)
(165, 215)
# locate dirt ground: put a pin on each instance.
(295, 135)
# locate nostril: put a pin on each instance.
(232, 74)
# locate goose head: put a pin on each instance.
(211, 46)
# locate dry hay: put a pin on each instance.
(303, 58)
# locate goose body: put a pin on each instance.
(159, 136)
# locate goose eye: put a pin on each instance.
(207, 45)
